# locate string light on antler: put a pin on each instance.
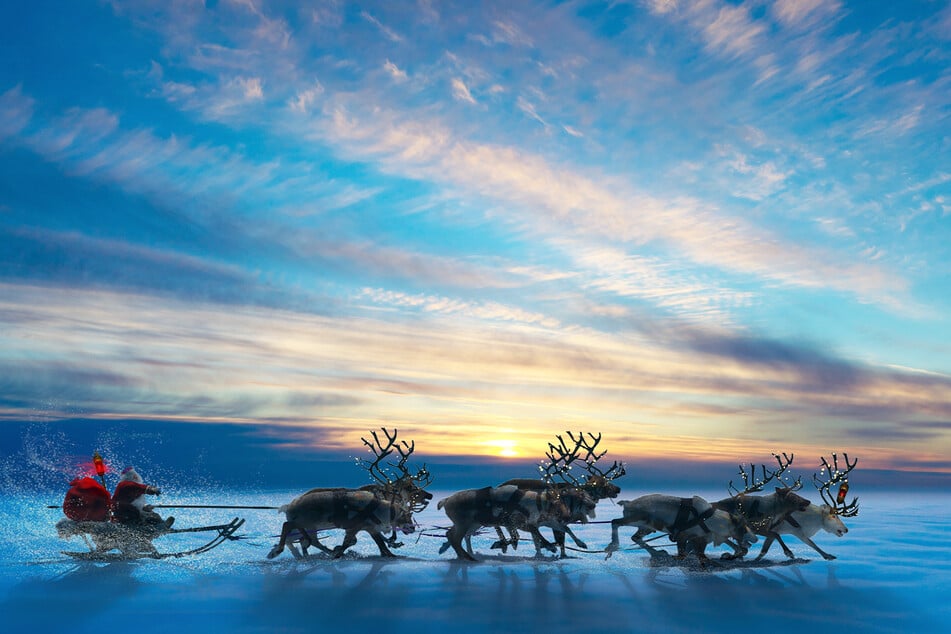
(836, 475)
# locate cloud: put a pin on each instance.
(449, 363)
(482, 310)
(461, 92)
(802, 13)
(304, 99)
(733, 32)
(563, 198)
(395, 72)
(528, 108)
(16, 110)
(510, 33)
(387, 32)
(897, 126)
(251, 86)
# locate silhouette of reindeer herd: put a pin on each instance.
(570, 486)
(572, 481)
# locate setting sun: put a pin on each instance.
(505, 448)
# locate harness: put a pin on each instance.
(342, 510)
(688, 517)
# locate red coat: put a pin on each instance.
(86, 501)
(124, 499)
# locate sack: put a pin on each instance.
(86, 501)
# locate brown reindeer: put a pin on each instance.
(394, 485)
(691, 522)
(763, 512)
(596, 485)
(505, 506)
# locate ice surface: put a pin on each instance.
(893, 574)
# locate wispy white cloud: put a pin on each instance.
(733, 32)
(482, 310)
(801, 13)
(899, 125)
(306, 98)
(529, 108)
(572, 131)
(387, 32)
(510, 33)
(16, 110)
(395, 72)
(655, 281)
(461, 92)
(561, 196)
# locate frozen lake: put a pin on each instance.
(893, 574)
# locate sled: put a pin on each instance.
(104, 539)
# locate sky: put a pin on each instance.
(705, 230)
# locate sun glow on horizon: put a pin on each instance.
(505, 448)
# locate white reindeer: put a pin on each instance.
(826, 516)
(805, 524)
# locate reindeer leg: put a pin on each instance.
(502, 542)
(578, 542)
(614, 545)
(349, 539)
(279, 548)
(824, 554)
(786, 550)
(381, 543)
(513, 538)
(739, 551)
(638, 538)
(455, 535)
(700, 546)
(766, 545)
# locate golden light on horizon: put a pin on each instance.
(504, 448)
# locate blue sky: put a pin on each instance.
(705, 229)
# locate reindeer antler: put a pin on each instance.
(616, 470)
(559, 462)
(752, 485)
(381, 451)
(561, 456)
(837, 476)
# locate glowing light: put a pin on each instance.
(504, 448)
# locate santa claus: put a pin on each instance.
(128, 501)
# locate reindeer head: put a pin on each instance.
(394, 477)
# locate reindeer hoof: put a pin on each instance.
(274, 552)
(828, 557)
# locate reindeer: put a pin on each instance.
(805, 524)
(506, 506)
(763, 512)
(597, 485)
(690, 522)
(353, 511)
(402, 491)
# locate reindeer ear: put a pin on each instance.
(782, 491)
